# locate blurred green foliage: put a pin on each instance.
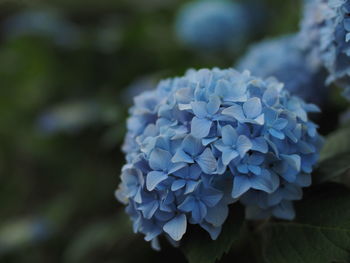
(62, 120)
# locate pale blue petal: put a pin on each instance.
(277, 134)
(181, 156)
(213, 105)
(191, 186)
(159, 159)
(154, 178)
(228, 155)
(148, 209)
(252, 108)
(293, 161)
(200, 127)
(178, 184)
(199, 109)
(235, 111)
(192, 145)
(176, 227)
(241, 184)
(262, 182)
(260, 145)
(229, 135)
(243, 145)
(280, 124)
(207, 161)
(270, 96)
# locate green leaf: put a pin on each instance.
(335, 156)
(332, 168)
(320, 234)
(199, 248)
(337, 143)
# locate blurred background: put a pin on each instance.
(68, 73)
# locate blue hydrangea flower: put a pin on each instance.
(198, 143)
(325, 33)
(205, 24)
(284, 59)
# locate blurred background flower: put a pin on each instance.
(205, 25)
(283, 59)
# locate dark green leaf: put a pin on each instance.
(321, 233)
(335, 156)
(336, 143)
(199, 248)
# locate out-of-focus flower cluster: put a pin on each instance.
(325, 33)
(200, 142)
(284, 59)
(212, 25)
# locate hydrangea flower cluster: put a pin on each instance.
(284, 59)
(200, 142)
(325, 32)
(205, 24)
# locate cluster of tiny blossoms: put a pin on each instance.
(325, 33)
(198, 143)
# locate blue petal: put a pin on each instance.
(217, 215)
(260, 145)
(262, 182)
(280, 123)
(241, 184)
(159, 159)
(199, 212)
(254, 169)
(229, 135)
(213, 105)
(228, 155)
(155, 244)
(293, 161)
(194, 172)
(235, 111)
(243, 145)
(199, 109)
(200, 127)
(154, 178)
(270, 96)
(177, 184)
(208, 141)
(192, 145)
(207, 161)
(187, 205)
(175, 167)
(252, 108)
(211, 196)
(176, 227)
(181, 156)
(148, 209)
(138, 197)
(277, 134)
(227, 92)
(214, 232)
(284, 210)
(191, 186)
